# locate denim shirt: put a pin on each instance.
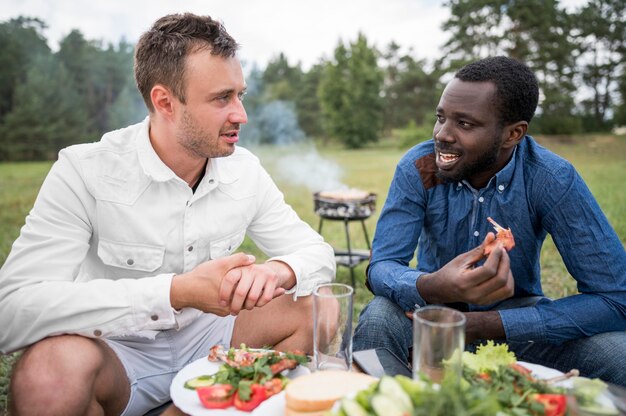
(536, 193)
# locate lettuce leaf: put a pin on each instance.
(488, 357)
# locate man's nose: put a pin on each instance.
(441, 132)
(238, 115)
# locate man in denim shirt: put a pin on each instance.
(482, 164)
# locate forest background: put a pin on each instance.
(51, 99)
(362, 108)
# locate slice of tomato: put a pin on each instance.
(272, 387)
(258, 395)
(217, 396)
(554, 404)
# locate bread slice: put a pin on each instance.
(318, 391)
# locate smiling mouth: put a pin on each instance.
(445, 159)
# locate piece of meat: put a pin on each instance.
(503, 235)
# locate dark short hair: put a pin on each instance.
(517, 92)
(161, 52)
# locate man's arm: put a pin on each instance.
(593, 254)
(39, 296)
(300, 259)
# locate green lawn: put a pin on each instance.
(601, 160)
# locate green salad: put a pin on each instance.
(493, 383)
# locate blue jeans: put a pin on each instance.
(383, 324)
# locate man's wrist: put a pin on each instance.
(483, 325)
(176, 292)
(426, 287)
(286, 275)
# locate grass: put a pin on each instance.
(601, 160)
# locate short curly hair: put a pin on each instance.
(517, 91)
(161, 51)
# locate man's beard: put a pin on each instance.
(199, 143)
(484, 163)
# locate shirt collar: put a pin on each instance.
(151, 163)
(501, 179)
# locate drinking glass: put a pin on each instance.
(332, 326)
(438, 342)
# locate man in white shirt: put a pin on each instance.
(125, 269)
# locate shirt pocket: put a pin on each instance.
(226, 246)
(131, 256)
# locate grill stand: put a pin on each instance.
(350, 258)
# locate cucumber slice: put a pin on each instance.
(387, 406)
(389, 387)
(200, 381)
(352, 408)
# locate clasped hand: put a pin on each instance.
(228, 285)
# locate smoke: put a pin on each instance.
(311, 170)
(294, 156)
(275, 122)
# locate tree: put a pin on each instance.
(538, 32)
(602, 25)
(47, 114)
(308, 104)
(99, 75)
(21, 40)
(350, 94)
(410, 93)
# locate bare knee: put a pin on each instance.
(62, 372)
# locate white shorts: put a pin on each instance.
(152, 364)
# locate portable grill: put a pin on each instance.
(346, 206)
(333, 208)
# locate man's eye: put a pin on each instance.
(464, 124)
(440, 118)
(241, 95)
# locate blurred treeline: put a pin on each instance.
(49, 100)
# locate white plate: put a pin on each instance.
(187, 400)
(543, 373)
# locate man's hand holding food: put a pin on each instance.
(461, 280)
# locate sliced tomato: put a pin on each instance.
(554, 404)
(274, 386)
(217, 396)
(257, 396)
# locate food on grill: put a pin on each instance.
(503, 235)
(316, 393)
(344, 204)
(351, 194)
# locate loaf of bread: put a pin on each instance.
(313, 394)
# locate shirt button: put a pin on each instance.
(97, 333)
(130, 262)
(501, 188)
(476, 233)
(481, 199)
(190, 248)
(211, 180)
(154, 317)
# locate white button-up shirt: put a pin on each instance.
(112, 224)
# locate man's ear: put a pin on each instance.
(162, 100)
(516, 133)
